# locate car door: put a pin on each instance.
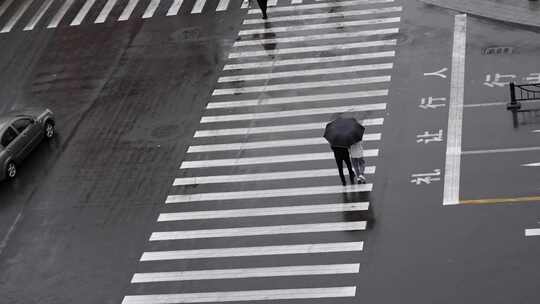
(11, 143)
(28, 134)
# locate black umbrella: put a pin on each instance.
(343, 132)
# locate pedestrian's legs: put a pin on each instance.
(356, 165)
(359, 167)
(339, 162)
(348, 162)
(262, 6)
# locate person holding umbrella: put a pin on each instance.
(341, 133)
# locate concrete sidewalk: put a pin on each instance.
(523, 12)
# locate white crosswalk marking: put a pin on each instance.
(4, 6)
(302, 7)
(251, 251)
(222, 5)
(39, 14)
(151, 9)
(271, 3)
(284, 192)
(251, 295)
(55, 21)
(16, 16)
(238, 273)
(105, 11)
(128, 10)
(198, 7)
(250, 212)
(83, 12)
(174, 8)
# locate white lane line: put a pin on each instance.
(263, 101)
(295, 8)
(16, 16)
(311, 38)
(105, 11)
(253, 231)
(218, 179)
(238, 273)
(270, 144)
(500, 150)
(250, 194)
(310, 72)
(128, 10)
(250, 295)
(174, 8)
(269, 211)
(39, 14)
(293, 113)
(301, 85)
(278, 129)
(297, 28)
(251, 251)
(350, 13)
(271, 3)
(198, 7)
(222, 5)
(296, 1)
(536, 131)
(531, 165)
(317, 48)
(245, 4)
(82, 12)
(532, 232)
(55, 21)
(284, 62)
(151, 9)
(4, 6)
(455, 114)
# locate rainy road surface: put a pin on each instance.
(189, 165)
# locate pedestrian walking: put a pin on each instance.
(342, 155)
(357, 159)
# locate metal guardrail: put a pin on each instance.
(522, 92)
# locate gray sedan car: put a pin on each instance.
(21, 132)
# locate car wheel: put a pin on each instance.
(49, 129)
(11, 170)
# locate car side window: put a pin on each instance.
(21, 124)
(8, 136)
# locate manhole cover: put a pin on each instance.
(498, 50)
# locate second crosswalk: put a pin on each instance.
(257, 211)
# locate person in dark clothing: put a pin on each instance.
(341, 155)
(262, 6)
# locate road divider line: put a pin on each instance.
(39, 14)
(295, 8)
(278, 128)
(287, 158)
(217, 179)
(524, 149)
(532, 232)
(293, 113)
(251, 251)
(318, 26)
(351, 13)
(266, 193)
(254, 231)
(307, 72)
(270, 144)
(250, 295)
(266, 211)
(455, 114)
(502, 200)
(240, 273)
(313, 60)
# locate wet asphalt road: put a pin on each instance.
(129, 98)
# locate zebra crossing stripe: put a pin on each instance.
(311, 72)
(251, 251)
(245, 4)
(105, 11)
(271, 3)
(18, 14)
(222, 5)
(350, 13)
(39, 14)
(253, 231)
(252, 194)
(293, 113)
(60, 14)
(318, 48)
(295, 99)
(198, 7)
(174, 8)
(238, 273)
(297, 28)
(277, 129)
(301, 85)
(151, 9)
(270, 144)
(128, 10)
(4, 6)
(82, 13)
(250, 295)
(295, 8)
(284, 62)
(268, 211)
(331, 36)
